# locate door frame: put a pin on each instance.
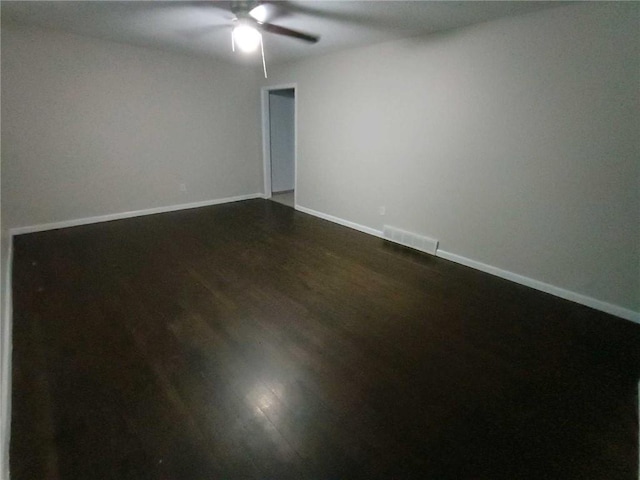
(266, 137)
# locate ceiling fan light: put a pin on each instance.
(246, 38)
(260, 13)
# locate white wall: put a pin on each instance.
(282, 126)
(92, 128)
(515, 143)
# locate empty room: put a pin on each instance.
(320, 240)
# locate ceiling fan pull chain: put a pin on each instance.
(264, 64)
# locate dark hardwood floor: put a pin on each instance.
(250, 341)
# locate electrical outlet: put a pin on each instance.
(382, 210)
(183, 187)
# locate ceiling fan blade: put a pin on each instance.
(271, 28)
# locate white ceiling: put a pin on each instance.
(201, 27)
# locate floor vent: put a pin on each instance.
(411, 240)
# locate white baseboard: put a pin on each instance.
(544, 287)
(5, 374)
(340, 221)
(514, 277)
(135, 213)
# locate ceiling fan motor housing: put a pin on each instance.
(241, 8)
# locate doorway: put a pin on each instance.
(279, 143)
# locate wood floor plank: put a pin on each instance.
(252, 341)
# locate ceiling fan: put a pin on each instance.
(257, 14)
(251, 19)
